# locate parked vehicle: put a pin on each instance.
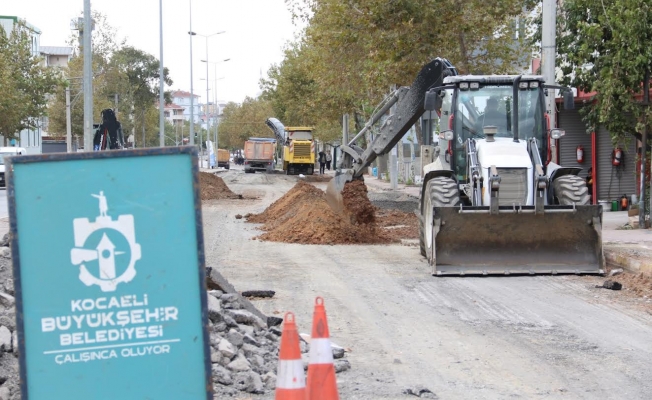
(259, 155)
(8, 152)
(223, 158)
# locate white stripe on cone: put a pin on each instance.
(320, 351)
(290, 375)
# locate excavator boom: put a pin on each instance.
(409, 102)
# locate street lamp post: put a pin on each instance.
(201, 147)
(88, 78)
(214, 90)
(191, 136)
(161, 83)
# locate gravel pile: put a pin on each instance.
(244, 345)
(9, 378)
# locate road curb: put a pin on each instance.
(634, 259)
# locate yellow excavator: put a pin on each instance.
(492, 201)
(298, 154)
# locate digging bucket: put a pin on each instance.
(516, 240)
(334, 190)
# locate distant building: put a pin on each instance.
(182, 99)
(29, 139)
(56, 56)
(174, 114)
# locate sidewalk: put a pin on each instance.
(630, 249)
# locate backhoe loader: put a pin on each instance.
(492, 202)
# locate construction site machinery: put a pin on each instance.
(259, 155)
(491, 200)
(298, 155)
(223, 158)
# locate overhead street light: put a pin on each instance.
(214, 92)
(191, 136)
(201, 146)
(161, 81)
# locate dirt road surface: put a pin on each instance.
(462, 338)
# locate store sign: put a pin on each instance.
(109, 275)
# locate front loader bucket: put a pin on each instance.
(516, 240)
(334, 191)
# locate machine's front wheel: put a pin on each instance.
(571, 189)
(440, 192)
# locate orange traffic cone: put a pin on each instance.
(290, 379)
(321, 371)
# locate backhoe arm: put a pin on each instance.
(409, 107)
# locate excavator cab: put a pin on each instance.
(471, 110)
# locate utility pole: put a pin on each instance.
(88, 78)
(548, 54)
(68, 122)
(161, 80)
(641, 199)
(191, 136)
(205, 110)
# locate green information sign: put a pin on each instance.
(109, 275)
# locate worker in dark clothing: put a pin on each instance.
(493, 117)
(109, 134)
(322, 162)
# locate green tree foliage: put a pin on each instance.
(352, 51)
(604, 47)
(25, 83)
(121, 70)
(242, 121)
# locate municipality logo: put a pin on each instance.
(105, 250)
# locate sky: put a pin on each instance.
(255, 33)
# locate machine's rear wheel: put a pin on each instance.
(440, 192)
(571, 189)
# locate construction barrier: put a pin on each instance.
(322, 384)
(290, 378)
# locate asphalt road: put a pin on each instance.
(482, 338)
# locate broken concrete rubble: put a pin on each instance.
(244, 345)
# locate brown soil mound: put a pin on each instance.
(357, 204)
(303, 216)
(640, 283)
(213, 187)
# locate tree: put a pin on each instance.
(604, 47)
(25, 83)
(242, 121)
(119, 70)
(352, 52)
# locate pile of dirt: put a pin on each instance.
(213, 187)
(639, 284)
(303, 216)
(357, 204)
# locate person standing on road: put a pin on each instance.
(328, 160)
(322, 162)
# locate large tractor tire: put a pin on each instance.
(571, 189)
(440, 192)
